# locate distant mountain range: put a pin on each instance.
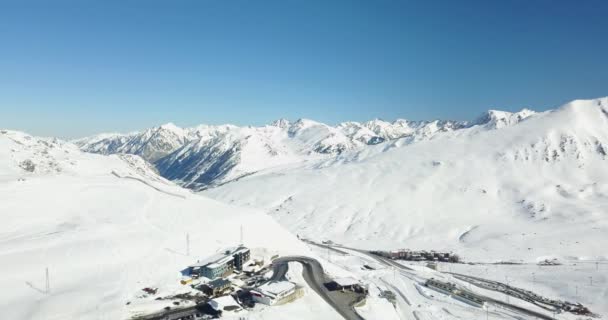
(506, 188)
(522, 186)
(207, 156)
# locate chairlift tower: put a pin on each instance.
(47, 285)
(241, 243)
(187, 244)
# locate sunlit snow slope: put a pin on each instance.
(531, 189)
(206, 156)
(105, 226)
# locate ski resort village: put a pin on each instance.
(234, 284)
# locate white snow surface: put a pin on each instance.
(206, 156)
(535, 187)
(106, 227)
(521, 187)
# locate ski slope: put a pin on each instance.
(106, 227)
(532, 190)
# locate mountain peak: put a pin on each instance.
(281, 123)
(496, 119)
(208, 155)
(170, 126)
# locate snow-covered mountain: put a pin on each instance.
(530, 189)
(495, 119)
(152, 144)
(206, 156)
(513, 187)
(105, 227)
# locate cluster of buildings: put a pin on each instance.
(219, 267)
(221, 264)
(406, 254)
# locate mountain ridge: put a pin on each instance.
(205, 155)
(535, 189)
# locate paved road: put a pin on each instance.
(527, 295)
(324, 246)
(279, 270)
(389, 262)
(315, 277)
(468, 295)
(170, 315)
(382, 260)
(512, 291)
(520, 309)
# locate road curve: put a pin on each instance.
(394, 264)
(315, 277)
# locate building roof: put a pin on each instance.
(235, 250)
(221, 302)
(214, 260)
(217, 283)
(345, 282)
(274, 288)
(220, 258)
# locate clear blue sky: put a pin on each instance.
(73, 68)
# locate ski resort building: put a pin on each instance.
(274, 292)
(406, 254)
(218, 265)
(221, 264)
(216, 287)
(346, 284)
(241, 256)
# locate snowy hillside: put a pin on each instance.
(206, 156)
(509, 187)
(533, 189)
(151, 144)
(106, 227)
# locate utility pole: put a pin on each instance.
(187, 244)
(486, 306)
(47, 287)
(241, 234)
(591, 281)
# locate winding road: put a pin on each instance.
(315, 277)
(388, 262)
